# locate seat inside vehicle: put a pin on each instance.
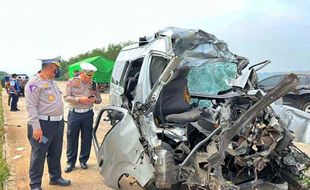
(172, 104)
(131, 85)
(132, 75)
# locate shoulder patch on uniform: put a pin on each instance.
(76, 82)
(32, 87)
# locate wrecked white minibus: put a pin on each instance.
(186, 113)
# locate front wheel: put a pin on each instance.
(306, 107)
(178, 186)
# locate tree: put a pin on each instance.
(3, 74)
(110, 52)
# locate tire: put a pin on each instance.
(306, 107)
(150, 186)
(178, 186)
(285, 141)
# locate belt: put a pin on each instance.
(50, 118)
(14, 92)
(76, 110)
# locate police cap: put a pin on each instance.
(55, 60)
(87, 67)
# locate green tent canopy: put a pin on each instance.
(104, 68)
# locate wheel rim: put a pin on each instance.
(307, 109)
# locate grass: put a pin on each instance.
(4, 170)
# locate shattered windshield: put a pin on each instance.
(211, 78)
(211, 63)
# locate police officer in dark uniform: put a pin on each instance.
(45, 109)
(14, 92)
(81, 93)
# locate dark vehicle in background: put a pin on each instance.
(299, 98)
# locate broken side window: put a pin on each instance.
(157, 66)
(131, 79)
(271, 81)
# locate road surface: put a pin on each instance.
(18, 155)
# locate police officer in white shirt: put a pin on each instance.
(81, 93)
(45, 109)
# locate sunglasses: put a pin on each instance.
(55, 70)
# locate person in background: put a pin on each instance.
(23, 84)
(45, 109)
(19, 80)
(81, 93)
(66, 74)
(20, 83)
(76, 73)
(14, 92)
(7, 88)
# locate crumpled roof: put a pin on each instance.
(197, 47)
(208, 57)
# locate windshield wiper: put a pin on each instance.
(264, 63)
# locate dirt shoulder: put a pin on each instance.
(18, 154)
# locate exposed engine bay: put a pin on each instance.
(238, 143)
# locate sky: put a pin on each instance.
(278, 30)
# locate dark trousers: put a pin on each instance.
(22, 92)
(9, 99)
(79, 122)
(52, 150)
(14, 101)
